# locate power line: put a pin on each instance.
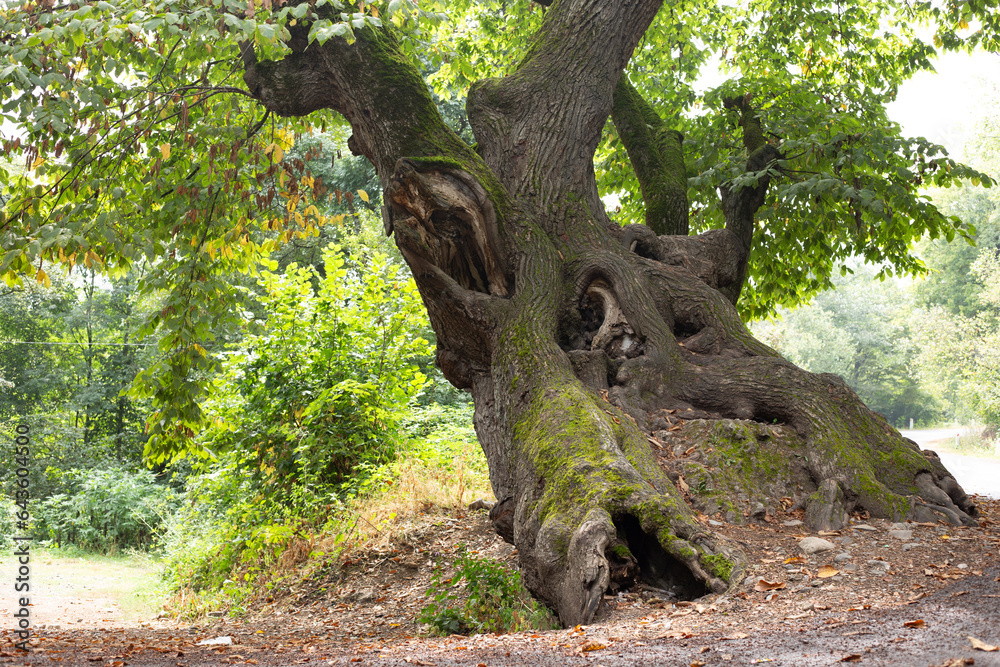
(34, 342)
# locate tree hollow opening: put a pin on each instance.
(637, 557)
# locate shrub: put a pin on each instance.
(304, 417)
(494, 601)
(105, 509)
(7, 523)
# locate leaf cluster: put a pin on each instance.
(492, 599)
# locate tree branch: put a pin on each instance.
(559, 99)
(740, 203)
(657, 157)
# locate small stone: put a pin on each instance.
(910, 545)
(364, 595)
(899, 526)
(215, 614)
(716, 524)
(848, 567)
(842, 556)
(865, 527)
(962, 566)
(815, 545)
(799, 588)
(845, 540)
(878, 565)
(750, 581)
(816, 583)
(480, 504)
(792, 523)
(901, 534)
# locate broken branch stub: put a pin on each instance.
(452, 224)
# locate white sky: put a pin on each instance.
(943, 106)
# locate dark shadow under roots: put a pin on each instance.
(637, 557)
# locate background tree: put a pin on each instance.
(864, 332)
(151, 132)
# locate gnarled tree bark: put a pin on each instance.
(585, 345)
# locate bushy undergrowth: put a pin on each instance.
(494, 600)
(318, 438)
(7, 523)
(230, 543)
(105, 510)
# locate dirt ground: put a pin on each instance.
(878, 597)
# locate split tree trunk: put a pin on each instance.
(609, 367)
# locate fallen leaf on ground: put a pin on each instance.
(854, 657)
(827, 571)
(414, 661)
(981, 645)
(765, 585)
(593, 646)
(957, 662)
(805, 614)
(796, 559)
(919, 623)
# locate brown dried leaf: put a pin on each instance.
(981, 645)
(854, 657)
(918, 623)
(684, 485)
(796, 559)
(765, 585)
(827, 571)
(591, 645)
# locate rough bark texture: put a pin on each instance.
(586, 345)
(657, 155)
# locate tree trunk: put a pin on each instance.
(605, 364)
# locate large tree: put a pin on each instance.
(615, 384)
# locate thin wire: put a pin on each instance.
(32, 342)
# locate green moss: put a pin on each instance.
(621, 551)
(718, 565)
